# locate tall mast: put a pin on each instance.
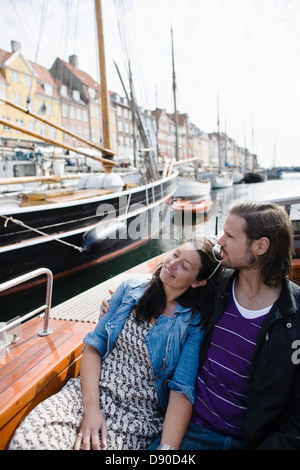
(174, 96)
(219, 149)
(103, 82)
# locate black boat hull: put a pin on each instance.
(82, 234)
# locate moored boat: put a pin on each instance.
(254, 177)
(69, 232)
(192, 207)
(222, 180)
(187, 188)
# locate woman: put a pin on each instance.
(142, 359)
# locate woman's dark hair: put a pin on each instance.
(271, 221)
(153, 302)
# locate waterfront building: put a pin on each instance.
(80, 101)
(70, 98)
(29, 86)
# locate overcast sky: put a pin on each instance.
(247, 51)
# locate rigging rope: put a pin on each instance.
(19, 222)
(42, 23)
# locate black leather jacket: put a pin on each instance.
(273, 410)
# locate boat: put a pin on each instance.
(222, 180)
(39, 356)
(66, 230)
(189, 188)
(254, 177)
(237, 176)
(187, 206)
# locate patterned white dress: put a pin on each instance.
(128, 400)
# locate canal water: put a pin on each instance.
(175, 231)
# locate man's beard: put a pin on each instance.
(246, 262)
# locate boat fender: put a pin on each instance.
(113, 182)
(91, 181)
(109, 181)
(104, 234)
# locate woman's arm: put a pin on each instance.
(92, 420)
(177, 419)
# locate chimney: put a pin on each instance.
(15, 46)
(73, 60)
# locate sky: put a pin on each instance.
(246, 52)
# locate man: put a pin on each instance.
(248, 386)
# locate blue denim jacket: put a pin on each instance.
(173, 342)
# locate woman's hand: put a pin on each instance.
(92, 423)
(104, 307)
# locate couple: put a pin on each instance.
(241, 392)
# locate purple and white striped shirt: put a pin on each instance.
(222, 383)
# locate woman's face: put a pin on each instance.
(181, 268)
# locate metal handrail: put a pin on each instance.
(47, 307)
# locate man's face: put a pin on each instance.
(236, 248)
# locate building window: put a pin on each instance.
(50, 109)
(48, 89)
(20, 123)
(17, 99)
(6, 128)
(15, 76)
(28, 80)
(78, 114)
(52, 133)
(85, 115)
(43, 130)
(92, 93)
(32, 125)
(3, 92)
(64, 91)
(65, 110)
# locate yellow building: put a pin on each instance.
(29, 86)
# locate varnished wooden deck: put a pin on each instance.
(35, 367)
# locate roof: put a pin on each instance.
(44, 76)
(84, 77)
(4, 55)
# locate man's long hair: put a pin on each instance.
(271, 221)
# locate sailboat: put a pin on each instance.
(223, 179)
(67, 231)
(187, 185)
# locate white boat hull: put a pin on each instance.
(224, 180)
(188, 189)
